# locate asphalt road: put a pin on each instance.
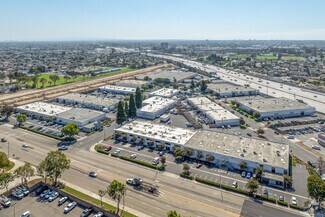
(188, 198)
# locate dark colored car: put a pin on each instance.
(87, 212)
(248, 134)
(312, 164)
(3, 140)
(92, 174)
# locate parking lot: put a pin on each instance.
(212, 173)
(38, 208)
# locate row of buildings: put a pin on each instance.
(225, 150)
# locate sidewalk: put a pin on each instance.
(105, 199)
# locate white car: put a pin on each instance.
(25, 146)
(70, 207)
(294, 200)
(99, 214)
(118, 151)
(25, 214)
(133, 156)
(53, 196)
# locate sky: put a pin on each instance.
(46, 20)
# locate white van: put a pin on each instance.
(155, 161)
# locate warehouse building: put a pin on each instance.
(89, 101)
(225, 150)
(165, 92)
(226, 90)
(117, 89)
(217, 115)
(133, 83)
(179, 75)
(154, 107)
(274, 108)
(86, 119)
(42, 110)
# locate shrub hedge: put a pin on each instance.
(42, 133)
(270, 199)
(280, 202)
(296, 207)
(186, 176)
(143, 163)
(99, 149)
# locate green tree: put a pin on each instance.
(5, 179)
(120, 115)
(126, 109)
(101, 194)
(66, 78)
(43, 81)
(209, 157)
(146, 78)
(70, 129)
(203, 86)
(6, 111)
(252, 185)
(163, 161)
(316, 188)
(4, 161)
(257, 115)
(54, 78)
(116, 190)
(260, 131)
(132, 107)
(34, 79)
(199, 154)
(21, 118)
(287, 181)
(138, 98)
(173, 213)
(54, 165)
(243, 165)
(186, 170)
(259, 172)
(24, 172)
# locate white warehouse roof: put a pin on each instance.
(43, 108)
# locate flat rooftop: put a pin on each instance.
(170, 74)
(80, 114)
(132, 81)
(165, 92)
(226, 88)
(212, 109)
(274, 104)
(43, 108)
(160, 132)
(117, 88)
(156, 103)
(85, 98)
(249, 149)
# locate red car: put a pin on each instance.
(108, 148)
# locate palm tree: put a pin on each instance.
(163, 161)
(287, 181)
(243, 165)
(101, 194)
(252, 185)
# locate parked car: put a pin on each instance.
(62, 200)
(92, 174)
(248, 175)
(40, 190)
(198, 166)
(99, 214)
(281, 198)
(63, 147)
(161, 153)
(118, 151)
(5, 201)
(234, 184)
(86, 212)
(243, 174)
(294, 200)
(312, 164)
(70, 207)
(316, 147)
(3, 140)
(133, 156)
(25, 214)
(155, 161)
(248, 134)
(266, 192)
(53, 196)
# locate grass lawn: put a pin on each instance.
(76, 79)
(10, 166)
(239, 56)
(95, 201)
(266, 57)
(293, 58)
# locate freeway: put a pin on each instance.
(271, 88)
(188, 198)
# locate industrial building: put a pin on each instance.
(274, 108)
(217, 115)
(226, 90)
(154, 107)
(117, 89)
(86, 119)
(179, 75)
(133, 83)
(42, 110)
(165, 92)
(227, 151)
(89, 101)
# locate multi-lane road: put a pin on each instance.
(188, 198)
(268, 87)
